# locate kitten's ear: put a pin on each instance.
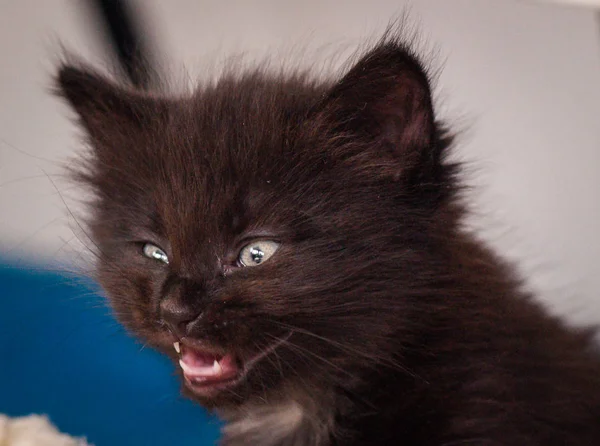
(107, 111)
(384, 100)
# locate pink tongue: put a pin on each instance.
(197, 365)
(197, 359)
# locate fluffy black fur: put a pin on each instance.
(396, 326)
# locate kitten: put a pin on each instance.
(295, 246)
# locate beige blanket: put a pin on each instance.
(34, 430)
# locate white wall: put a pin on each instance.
(522, 78)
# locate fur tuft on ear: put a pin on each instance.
(94, 97)
(380, 119)
(384, 103)
(112, 115)
(386, 96)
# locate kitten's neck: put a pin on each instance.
(285, 423)
(331, 421)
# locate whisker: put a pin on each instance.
(305, 351)
(81, 228)
(349, 349)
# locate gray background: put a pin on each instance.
(520, 79)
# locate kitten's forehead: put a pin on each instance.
(237, 131)
(226, 149)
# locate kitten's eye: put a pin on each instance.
(257, 252)
(154, 252)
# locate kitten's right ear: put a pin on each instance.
(105, 109)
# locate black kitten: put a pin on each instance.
(296, 246)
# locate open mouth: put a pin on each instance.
(204, 370)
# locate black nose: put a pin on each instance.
(177, 316)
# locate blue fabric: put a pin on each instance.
(63, 354)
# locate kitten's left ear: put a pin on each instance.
(111, 114)
(384, 102)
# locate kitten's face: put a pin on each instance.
(265, 233)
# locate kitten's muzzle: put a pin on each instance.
(185, 321)
(201, 339)
(177, 317)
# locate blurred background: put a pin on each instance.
(519, 79)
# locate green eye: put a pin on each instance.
(154, 252)
(257, 252)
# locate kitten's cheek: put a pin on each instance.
(131, 304)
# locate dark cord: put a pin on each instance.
(126, 39)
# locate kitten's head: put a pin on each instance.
(277, 231)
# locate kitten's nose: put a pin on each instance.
(177, 316)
